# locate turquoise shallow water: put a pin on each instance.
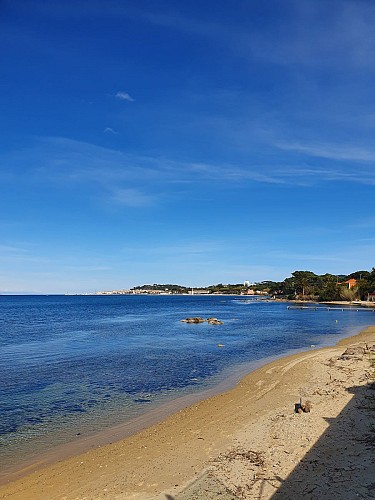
(74, 365)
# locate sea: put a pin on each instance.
(73, 366)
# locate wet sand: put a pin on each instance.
(244, 443)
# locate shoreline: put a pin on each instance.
(127, 428)
(176, 444)
(230, 378)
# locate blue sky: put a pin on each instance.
(184, 142)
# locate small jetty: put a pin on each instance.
(329, 308)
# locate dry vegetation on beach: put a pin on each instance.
(326, 453)
(246, 443)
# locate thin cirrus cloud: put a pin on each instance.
(124, 96)
(342, 31)
(10, 255)
(109, 130)
(65, 161)
(131, 198)
(346, 40)
(11, 249)
(312, 176)
(354, 45)
(331, 151)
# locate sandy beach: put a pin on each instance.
(245, 443)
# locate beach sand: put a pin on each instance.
(245, 443)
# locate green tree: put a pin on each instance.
(366, 284)
(349, 294)
(329, 288)
(358, 275)
(304, 282)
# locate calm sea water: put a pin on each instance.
(71, 365)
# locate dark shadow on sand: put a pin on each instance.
(341, 465)
(206, 487)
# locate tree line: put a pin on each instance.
(306, 285)
(302, 285)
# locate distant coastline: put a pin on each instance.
(356, 288)
(256, 295)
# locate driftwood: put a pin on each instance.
(353, 352)
(302, 407)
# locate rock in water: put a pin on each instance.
(193, 320)
(214, 321)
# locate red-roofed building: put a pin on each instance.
(351, 283)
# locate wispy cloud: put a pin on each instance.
(350, 256)
(341, 163)
(124, 96)
(331, 151)
(62, 159)
(364, 223)
(308, 33)
(139, 181)
(290, 256)
(109, 130)
(131, 198)
(10, 254)
(307, 176)
(225, 172)
(181, 249)
(79, 268)
(12, 249)
(342, 32)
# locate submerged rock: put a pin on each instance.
(193, 320)
(197, 319)
(214, 321)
